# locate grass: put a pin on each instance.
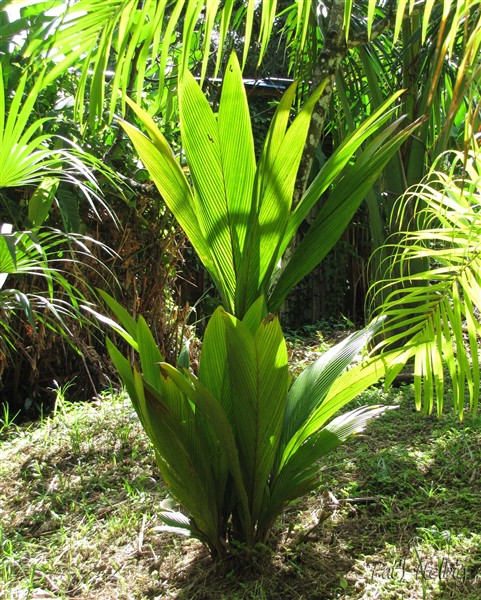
(396, 515)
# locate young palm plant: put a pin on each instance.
(237, 443)
(436, 311)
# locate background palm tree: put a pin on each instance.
(430, 50)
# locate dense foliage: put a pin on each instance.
(237, 442)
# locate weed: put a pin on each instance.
(7, 421)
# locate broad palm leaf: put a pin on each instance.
(240, 218)
(236, 444)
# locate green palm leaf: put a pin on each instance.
(200, 136)
(434, 311)
(121, 42)
(337, 210)
(27, 157)
(229, 431)
(238, 158)
(314, 383)
(42, 255)
(259, 382)
(183, 444)
(24, 159)
(276, 178)
(182, 452)
(240, 219)
(173, 185)
(301, 474)
(321, 390)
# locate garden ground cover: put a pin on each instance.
(396, 515)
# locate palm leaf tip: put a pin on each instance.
(177, 522)
(355, 421)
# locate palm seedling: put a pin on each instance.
(239, 216)
(237, 443)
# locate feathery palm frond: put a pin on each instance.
(41, 255)
(28, 157)
(435, 311)
(437, 62)
(127, 43)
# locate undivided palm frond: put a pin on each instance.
(238, 216)
(435, 312)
